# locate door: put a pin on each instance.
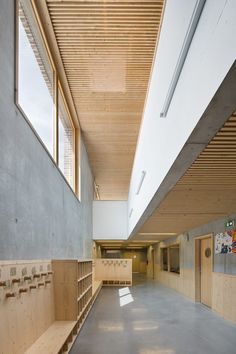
(206, 271)
(135, 260)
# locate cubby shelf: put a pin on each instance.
(73, 286)
(85, 276)
(85, 292)
(84, 310)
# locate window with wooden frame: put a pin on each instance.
(39, 95)
(164, 259)
(35, 76)
(174, 256)
(66, 140)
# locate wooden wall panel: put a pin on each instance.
(25, 316)
(114, 270)
(223, 295)
(183, 282)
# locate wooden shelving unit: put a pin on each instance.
(51, 298)
(85, 283)
(73, 287)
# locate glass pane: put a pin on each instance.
(174, 259)
(35, 77)
(66, 142)
(164, 259)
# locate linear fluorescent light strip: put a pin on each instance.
(157, 233)
(131, 212)
(143, 174)
(183, 54)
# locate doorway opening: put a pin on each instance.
(203, 269)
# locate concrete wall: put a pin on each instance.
(40, 216)
(209, 59)
(109, 220)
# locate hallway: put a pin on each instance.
(152, 319)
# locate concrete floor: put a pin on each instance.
(157, 321)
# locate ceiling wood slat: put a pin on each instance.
(107, 48)
(205, 193)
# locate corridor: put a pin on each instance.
(149, 318)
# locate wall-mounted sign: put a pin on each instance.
(225, 242)
(230, 224)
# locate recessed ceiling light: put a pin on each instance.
(157, 233)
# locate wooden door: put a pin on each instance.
(135, 260)
(206, 271)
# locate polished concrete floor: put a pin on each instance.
(152, 319)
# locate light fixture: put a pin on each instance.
(96, 190)
(143, 174)
(158, 233)
(183, 54)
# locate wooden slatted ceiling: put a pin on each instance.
(107, 48)
(205, 193)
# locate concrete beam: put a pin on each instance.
(220, 108)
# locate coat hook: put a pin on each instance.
(16, 280)
(36, 276)
(8, 295)
(40, 284)
(23, 290)
(32, 287)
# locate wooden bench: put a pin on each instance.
(56, 339)
(59, 337)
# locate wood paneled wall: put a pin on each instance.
(139, 263)
(24, 316)
(223, 287)
(223, 295)
(183, 282)
(113, 269)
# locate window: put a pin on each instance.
(164, 257)
(35, 76)
(170, 259)
(40, 96)
(174, 259)
(66, 141)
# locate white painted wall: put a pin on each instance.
(212, 52)
(110, 220)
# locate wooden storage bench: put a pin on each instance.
(56, 339)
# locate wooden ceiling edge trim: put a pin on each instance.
(41, 11)
(150, 76)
